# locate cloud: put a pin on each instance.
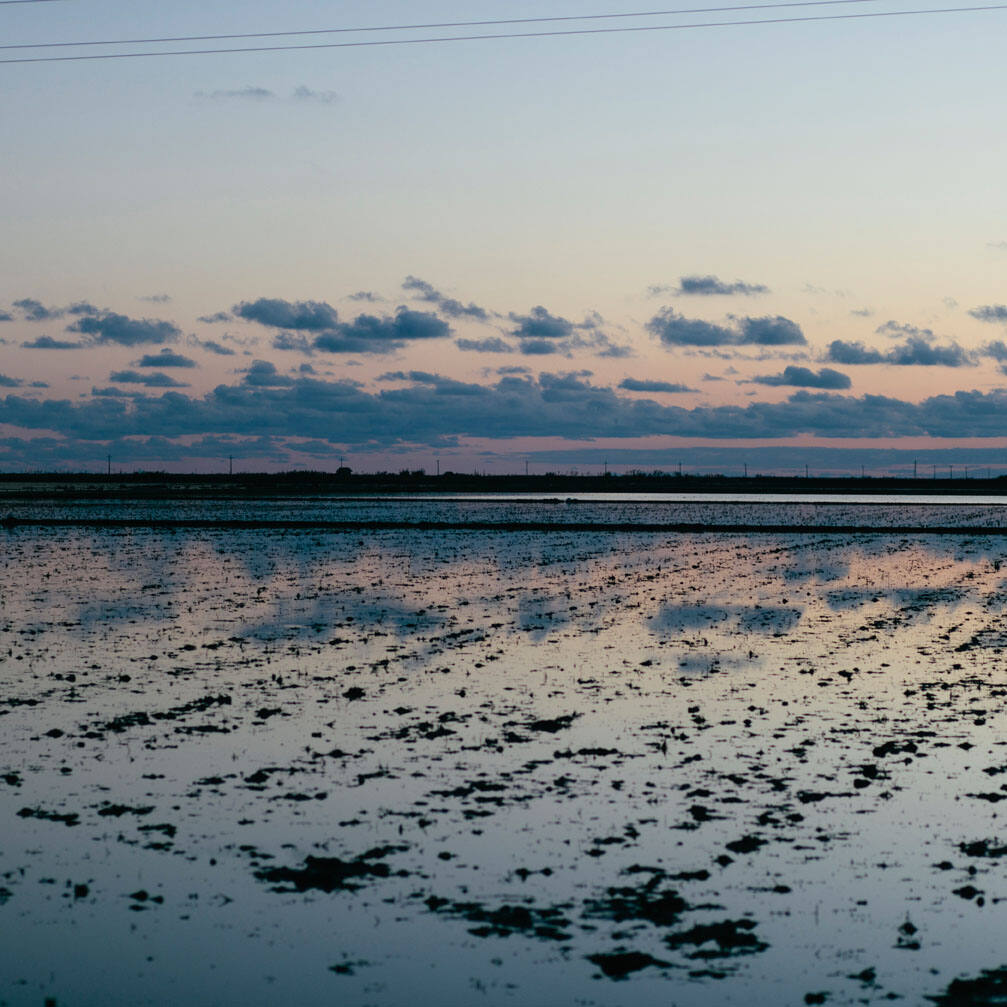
(997, 350)
(542, 348)
(214, 347)
(218, 316)
(440, 384)
(635, 385)
(48, 343)
(616, 352)
(675, 330)
(896, 330)
(709, 286)
(6, 382)
(437, 412)
(365, 334)
(304, 93)
(156, 298)
(452, 308)
(841, 351)
(36, 311)
(365, 295)
(252, 93)
(492, 344)
(804, 377)
(770, 331)
(995, 313)
(294, 342)
(541, 333)
(6, 316)
(166, 358)
(540, 324)
(263, 374)
(246, 93)
(109, 327)
(115, 393)
(915, 352)
(1000, 245)
(82, 308)
(155, 380)
(369, 334)
(304, 316)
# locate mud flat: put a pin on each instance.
(394, 766)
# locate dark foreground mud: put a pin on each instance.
(401, 766)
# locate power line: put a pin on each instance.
(3, 3)
(370, 43)
(421, 27)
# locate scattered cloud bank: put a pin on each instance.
(48, 343)
(212, 346)
(541, 333)
(673, 329)
(708, 286)
(996, 313)
(166, 358)
(804, 377)
(267, 403)
(253, 93)
(431, 409)
(916, 351)
(423, 291)
(155, 380)
(635, 385)
(365, 334)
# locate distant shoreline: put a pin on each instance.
(160, 485)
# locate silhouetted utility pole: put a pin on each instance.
(110, 466)
(746, 470)
(230, 465)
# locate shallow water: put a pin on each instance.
(529, 767)
(585, 508)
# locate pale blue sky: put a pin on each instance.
(852, 168)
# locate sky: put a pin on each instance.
(770, 245)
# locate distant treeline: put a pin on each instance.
(346, 482)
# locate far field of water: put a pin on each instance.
(601, 508)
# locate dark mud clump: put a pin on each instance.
(983, 848)
(619, 964)
(662, 908)
(547, 923)
(69, 818)
(987, 990)
(330, 874)
(731, 937)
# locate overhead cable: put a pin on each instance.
(429, 25)
(558, 33)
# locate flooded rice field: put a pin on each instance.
(455, 767)
(609, 509)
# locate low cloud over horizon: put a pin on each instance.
(394, 377)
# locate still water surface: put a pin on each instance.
(405, 767)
